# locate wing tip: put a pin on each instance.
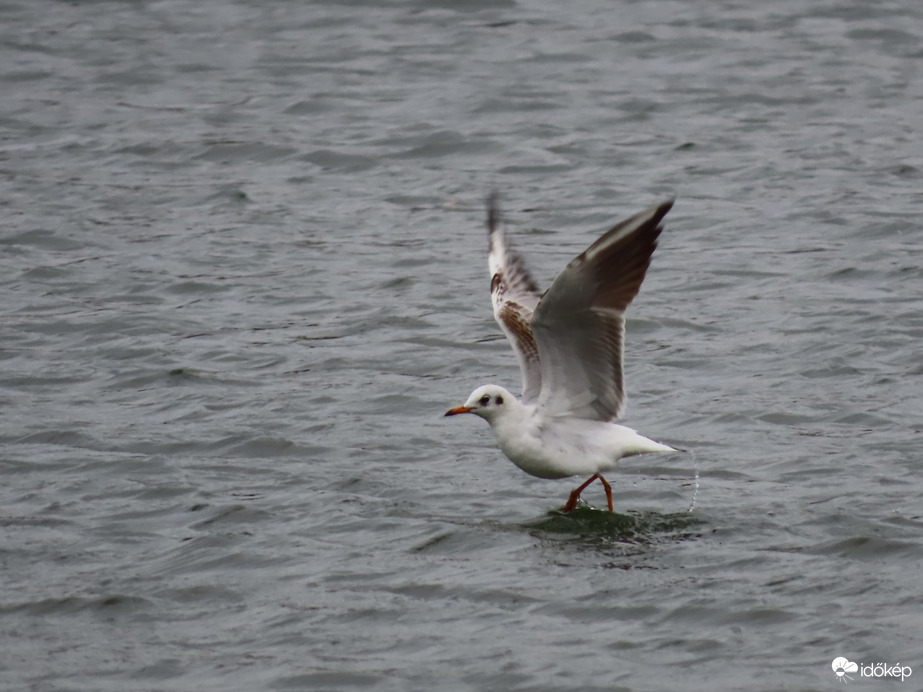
(493, 211)
(661, 210)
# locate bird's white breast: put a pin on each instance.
(560, 446)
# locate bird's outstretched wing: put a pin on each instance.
(514, 295)
(578, 327)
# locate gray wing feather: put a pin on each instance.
(579, 324)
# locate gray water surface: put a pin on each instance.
(243, 270)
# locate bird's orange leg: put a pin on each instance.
(608, 489)
(571, 503)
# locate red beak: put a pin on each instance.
(458, 409)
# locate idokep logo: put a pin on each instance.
(842, 666)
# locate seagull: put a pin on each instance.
(568, 341)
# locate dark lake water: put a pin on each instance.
(243, 271)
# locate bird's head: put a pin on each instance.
(488, 402)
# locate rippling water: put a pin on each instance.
(243, 267)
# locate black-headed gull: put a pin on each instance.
(569, 343)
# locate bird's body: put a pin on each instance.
(569, 345)
(548, 447)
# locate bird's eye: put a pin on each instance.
(499, 400)
(485, 400)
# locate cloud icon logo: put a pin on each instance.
(841, 666)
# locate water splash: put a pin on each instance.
(695, 486)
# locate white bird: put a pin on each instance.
(569, 344)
